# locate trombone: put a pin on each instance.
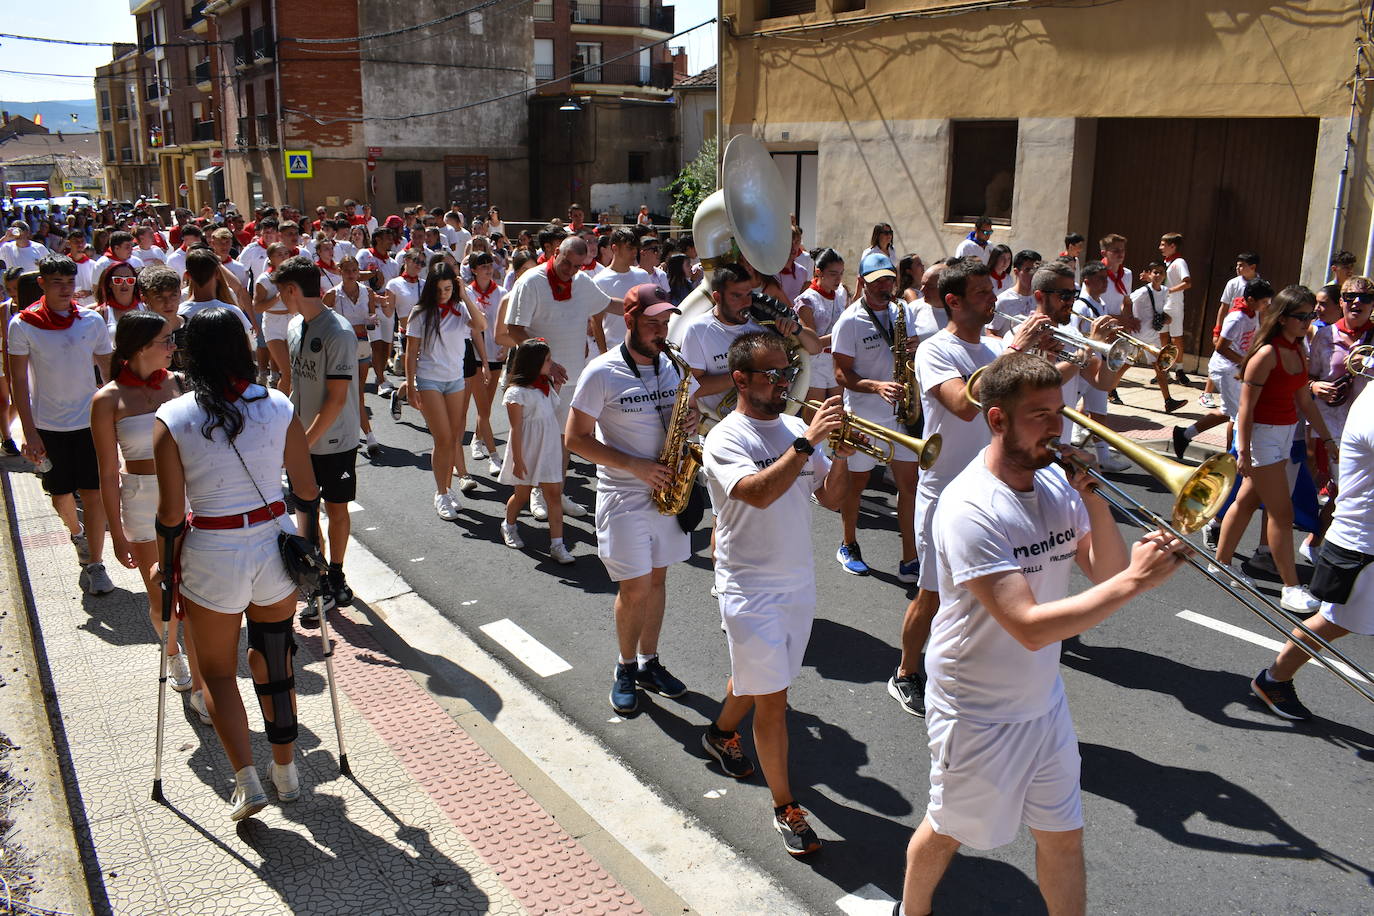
(1199, 494)
(925, 450)
(1360, 361)
(1147, 357)
(1078, 348)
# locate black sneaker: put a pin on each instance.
(338, 585)
(624, 695)
(395, 405)
(310, 614)
(1211, 535)
(1180, 442)
(1182, 379)
(1280, 696)
(1172, 404)
(1115, 398)
(653, 676)
(797, 835)
(910, 691)
(9, 448)
(726, 750)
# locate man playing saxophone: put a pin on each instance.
(866, 366)
(621, 412)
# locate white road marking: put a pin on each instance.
(1241, 633)
(470, 601)
(715, 793)
(868, 900)
(536, 656)
(416, 559)
(354, 507)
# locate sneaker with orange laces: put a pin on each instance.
(790, 821)
(724, 746)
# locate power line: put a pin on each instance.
(409, 28)
(108, 44)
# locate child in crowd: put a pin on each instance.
(534, 454)
(1148, 305)
(1177, 280)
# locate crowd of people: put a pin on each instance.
(230, 362)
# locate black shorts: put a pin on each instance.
(336, 475)
(74, 466)
(469, 359)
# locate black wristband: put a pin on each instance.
(169, 531)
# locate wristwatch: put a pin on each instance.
(803, 446)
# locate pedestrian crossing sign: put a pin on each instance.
(299, 163)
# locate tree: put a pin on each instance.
(693, 184)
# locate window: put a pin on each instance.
(588, 55)
(543, 59)
(586, 11)
(543, 10)
(637, 169)
(108, 137)
(982, 170)
(409, 187)
(644, 66)
(104, 105)
(848, 6)
(778, 8)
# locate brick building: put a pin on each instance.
(130, 167)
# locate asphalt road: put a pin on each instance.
(1197, 800)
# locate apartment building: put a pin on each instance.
(130, 169)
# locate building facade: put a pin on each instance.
(1139, 117)
(130, 170)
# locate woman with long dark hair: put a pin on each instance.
(123, 414)
(118, 293)
(440, 327)
(880, 241)
(1275, 390)
(221, 448)
(678, 267)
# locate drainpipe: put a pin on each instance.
(1345, 165)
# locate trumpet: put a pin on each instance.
(1079, 349)
(1147, 357)
(926, 450)
(1360, 361)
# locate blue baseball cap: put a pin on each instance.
(875, 266)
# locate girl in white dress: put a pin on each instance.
(818, 306)
(534, 454)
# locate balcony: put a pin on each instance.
(122, 113)
(202, 72)
(654, 18)
(196, 14)
(264, 44)
(126, 154)
(203, 132)
(543, 72)
(242, 56)
(267, 130)
(152, 91)
(628, 73)
(543, 10)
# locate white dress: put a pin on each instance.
(542, 449)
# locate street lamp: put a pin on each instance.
(570, 105)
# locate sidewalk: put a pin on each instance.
(430, 823)
(1143, 419)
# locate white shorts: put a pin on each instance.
(1094, 398)
(1357, 614)
(1270, 444)
(1175, 315)
(226, 571)
(633, 538)
(988, 780)
(1228, 386)
(767, 634)
(274, 325)
(386, 328)
(138, 506)
(859, 462)
(928, 579)
(823, 371)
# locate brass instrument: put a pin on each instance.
(1078, 349)
(908, 406)
(926, 450)
(680, 455)
(768, 311)
(1199, 494)
(1360, 361)
(1147, 357)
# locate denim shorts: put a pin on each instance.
(454, 386)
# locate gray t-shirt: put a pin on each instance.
(324, 349)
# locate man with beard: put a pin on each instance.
(1008, 531)
(763, 467)
(619, 416)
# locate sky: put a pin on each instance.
(109, 20)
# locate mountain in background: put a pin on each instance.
(58, 115)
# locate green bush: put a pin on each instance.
(693, 184)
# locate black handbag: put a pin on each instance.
(302, 557)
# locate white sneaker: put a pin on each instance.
(1307, 553)
(286, 781)
(538, 508)
(371, 447)
(94, 580)
(1296, 598)
(385, 389)
(511, 536)
(198, 705)
(248, 798)
(1114, 463)
(1232, 570)
(445, 507)
(562, 554)
(180, 672)
(572, 509)
(479, 450)
(494, 466)
(466, 484)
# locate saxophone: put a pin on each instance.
(682, 457)
(907, 408)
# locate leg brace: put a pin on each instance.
(276, 643)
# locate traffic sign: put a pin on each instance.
(299, 163)
(371, 164)
(69, 186)
(374, 152)
(184, 189)
(217, 156)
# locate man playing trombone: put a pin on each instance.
(1008, 531)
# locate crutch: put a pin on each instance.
(328, 646)
(168, 597)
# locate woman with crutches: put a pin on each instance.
(221, 447)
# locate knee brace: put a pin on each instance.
(276, 643)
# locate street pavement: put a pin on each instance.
(1197, 800)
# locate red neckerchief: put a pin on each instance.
(159, 241)
(542, 259)
(1171, 259)
(410, 279)
(575, 228)
(447, 309)
(413, 242)
(1065, 254)
(293, 252)
(542, 384)
(998, 278)
(592, 266)
(790, 269)
(236, 389)
(1118, 279)
(326, 265)
(815, 284)
(483, 295)
(1238, 305)
(83, 259)
(40, 316)
(1344, 327)
(225, 260)
(109, 253)
(562, 289)
(378, 255)
(154, 380)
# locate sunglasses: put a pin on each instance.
(1301, 316)
(783, 376)
(123, 281)
(1066, 295)
(1361, 298)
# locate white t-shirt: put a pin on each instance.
(1086, 310)
(406, 294)
(150, 255)
(252, 256)
(616, 285)
(706, 348)
(1237, 329)
(343, 249)
(1234, 289)
(457, 239)
(632, 414)
(441, 355)
(761, 550)
(531, 305)
(389, 268)
(1113, 300)
(61, 378)
(355, 313)
(1350, 526)
(1176, 273)
(27, 258)
(191, 306)
(273, 301)
(86, 279)
(177, 261)
(947, 356)
(491, 307)
(239, 272)
(968, 248)
(1010, 302)
(1145, 302)
(824, 312)
(794, 278)
(976, 670)
(856, 336)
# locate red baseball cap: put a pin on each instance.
(648, 299)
